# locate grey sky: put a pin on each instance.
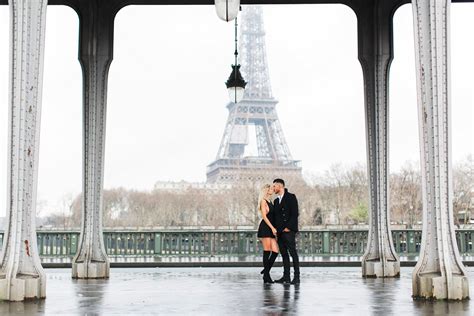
(166, 100)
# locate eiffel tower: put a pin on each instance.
(255, 112)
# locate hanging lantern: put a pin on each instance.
(236, 85)
(227, 10)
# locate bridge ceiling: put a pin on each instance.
(116, 5)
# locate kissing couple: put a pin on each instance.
(277, 230)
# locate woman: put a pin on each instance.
(267, 232)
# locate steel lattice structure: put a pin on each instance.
(258, 109)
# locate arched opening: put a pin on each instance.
(404, 137)
(59, 178)
(167, 101)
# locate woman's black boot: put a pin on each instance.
(267, 279)
(271, 261)
(266, 274)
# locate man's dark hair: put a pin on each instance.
(281, 181)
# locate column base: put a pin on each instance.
(22, 288)
(375, 269)
(433, 286)
(91, 270)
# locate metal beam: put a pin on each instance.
(375, 55)
(95, 55)
(439, 273)
(21, 274)
(122, 3)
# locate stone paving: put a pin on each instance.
(232, 291)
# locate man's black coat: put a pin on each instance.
(286, 212)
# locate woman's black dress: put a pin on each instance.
(263, 229)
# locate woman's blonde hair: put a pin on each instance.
(262, 194)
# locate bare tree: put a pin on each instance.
(339, 193)
(463, 188)
(405, 194)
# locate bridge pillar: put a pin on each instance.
(21, 274)
(95, 55)
(439, 273)
(375, 56)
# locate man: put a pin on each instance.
(286, 222)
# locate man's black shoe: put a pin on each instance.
(283, 280)
(296, 280)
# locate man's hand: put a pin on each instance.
(286, 230)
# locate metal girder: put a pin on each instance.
(439, 273)
(357, 6)
(375, 55)
(95, 55)
(21, 274)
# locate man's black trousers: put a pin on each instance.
(287, 244)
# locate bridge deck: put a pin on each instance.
(226, 261)
(231, 291)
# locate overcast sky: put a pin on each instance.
(167, 98)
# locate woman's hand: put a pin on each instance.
(274, 231)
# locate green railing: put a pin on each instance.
(231, 242)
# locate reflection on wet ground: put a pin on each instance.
(232, 291)
(231, 258)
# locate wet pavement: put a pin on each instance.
(232, 291)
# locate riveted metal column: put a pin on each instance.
(375, 55)
(95, 55)
(439, 273)
(21, 274)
